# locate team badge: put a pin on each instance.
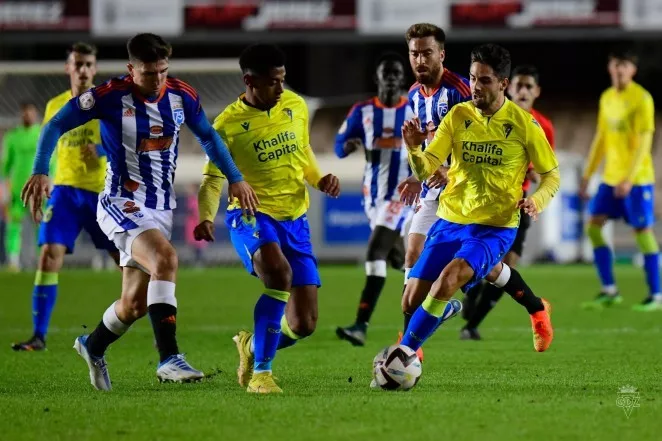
(507, 128)
(86, 101)
(178, 115)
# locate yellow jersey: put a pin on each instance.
(72, 167)
(624, 119)
(272, 150)
(489, 159)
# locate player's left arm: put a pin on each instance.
(642, 136)
(425, 163)
(546, 165)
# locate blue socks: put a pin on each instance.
(604, 263)
(425, 321)
(44, 295)
(652, 268)
(267, 315)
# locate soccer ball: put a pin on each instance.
(396, 367)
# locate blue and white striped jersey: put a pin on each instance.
(431, 109)
(140, 137)
(380, 130)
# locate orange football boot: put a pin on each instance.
(541, 323)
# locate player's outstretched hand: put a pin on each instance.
(413, 133)
(33, 194)
(330, 185)
(410, 190)
(439, 178)
(204, 231)
(246, 196)
(529, 207)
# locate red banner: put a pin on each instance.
(535, 13)
(255, 15)
(34, 15)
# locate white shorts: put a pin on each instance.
(122, 220)
(426, 215)
(389, 214)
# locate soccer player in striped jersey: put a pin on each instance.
(492, 141)
(375, 126)
(141, 115)
(79, 177)
(624, 138)
(524, 89)
(436, 91)
(266, 129)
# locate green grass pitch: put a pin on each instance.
(495, 389)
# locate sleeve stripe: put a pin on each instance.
(549, 171)
(455, 81)
(182, 86)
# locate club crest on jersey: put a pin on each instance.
(507, 128)
(442, 106)
(86, 101)
(245, 125)
(288, 112)
(467, 123)
(178, 116)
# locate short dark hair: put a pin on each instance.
(495, 56)
(422, 30)
(260, 58)
(526, 70)
(624, 53)
(148, 48)
(82, 48)
(390, 57)
(27, 103)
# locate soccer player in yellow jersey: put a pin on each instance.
(79, 177)
(624, 138)
(491, 142)
(266, 130)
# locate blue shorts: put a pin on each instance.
(636, 208)
(481, 246)
(293, 237)
(68, 211)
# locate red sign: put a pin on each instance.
(24, 15)
(535, 13)
(255, 15)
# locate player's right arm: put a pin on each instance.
(350, 135)
(75, 113)
(595, 155)
(209, 193)
(425, 163)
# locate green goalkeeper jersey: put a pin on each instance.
(19, 147)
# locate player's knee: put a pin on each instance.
(165, 263)
(51, 258)
(305, 325)
(453, 277)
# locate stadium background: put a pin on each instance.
(332, 47)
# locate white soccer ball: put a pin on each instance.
(396, 367)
